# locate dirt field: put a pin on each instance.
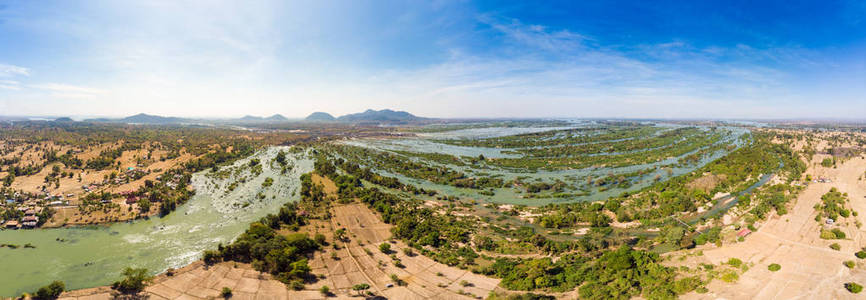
(424, 278)
(810, 269)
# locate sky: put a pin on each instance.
(451, 59)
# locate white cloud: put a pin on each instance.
(10, 85)
(12, 70)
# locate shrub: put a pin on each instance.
(385, 248)
(735, 262)
(730, 277)
(849, 263)
(853, 287)
(325, 290)
(226, 292)
(860, 254)
(827, 235)
(296, 284)
(774, 267)
(835, 246)
(838, 233)
(50, 291)
(320, 239)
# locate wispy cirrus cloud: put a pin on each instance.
(7, 70)
(10, 85)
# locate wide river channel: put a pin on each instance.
(91, 256)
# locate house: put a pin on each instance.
(30, 219)
(743, 233)
(12, 224)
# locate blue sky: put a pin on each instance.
(683, 59)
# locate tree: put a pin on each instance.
(133, 282)
(319, 238)
(385, 248)
(51, 291)
(774, 267)
(360, 287)
(325, 290)
(143, 205)
(226, 292)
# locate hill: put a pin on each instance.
(385, 115)
(320, 116)
(141, 119)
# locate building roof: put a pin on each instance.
(744, 232)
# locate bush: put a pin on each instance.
(51, 291)
(325, 290)
(835, 246)
(774, 267)
(226, 292)
(320, 239)
(860, 254)
(385, 248)
(730, 277)
(849, 263)
(827, 235)
(853, 287)
(735, 262)
(838, 233)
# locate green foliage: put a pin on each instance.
(734, 262)
(853, 287)
(226, 292)
(133, 282)
(385, 248)
(50, 291)
(774, 267)
(618, 274)
(833, 205)
(835, 246)
(860, 254)
(849, 263)
(730, 276)
(282, 256)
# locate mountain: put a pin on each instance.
(63, 119)
(276, 118)
(249, 118)
(151, 119)
(385, 115)
(320, 116)
(141, 119)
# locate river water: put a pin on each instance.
(91, 256)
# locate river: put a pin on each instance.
(91, 256)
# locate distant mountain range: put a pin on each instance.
(320, 117)
(385, 115)
(368, 116)
(274, 118)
